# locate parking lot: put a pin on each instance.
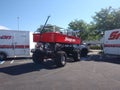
(91, 73)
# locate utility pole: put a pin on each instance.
(18, 22)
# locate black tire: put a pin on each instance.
(60, 59)
(37, 57)
(76, 56)
(84, 52)
(3, 56)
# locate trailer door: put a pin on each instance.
(20, 43)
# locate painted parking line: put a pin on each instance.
(12, 61)
(1, 62)
(22, 62)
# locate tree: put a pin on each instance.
(116, 15)
(79, 25)
(92, 34)
(107, 19)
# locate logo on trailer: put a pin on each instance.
(5, 37)
(114, 35)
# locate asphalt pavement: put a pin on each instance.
(91, 73)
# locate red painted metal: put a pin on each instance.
(53, 37)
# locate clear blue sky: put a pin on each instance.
(33, 13)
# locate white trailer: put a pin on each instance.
(15, 43)
(111, 42)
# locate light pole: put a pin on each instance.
(18, 22)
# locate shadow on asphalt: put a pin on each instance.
(49, 65)
(110, 59)
(28, 67)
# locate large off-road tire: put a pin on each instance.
(3, 56)
(84, 52)
(76, 56)
(60, 59)
(37, 57)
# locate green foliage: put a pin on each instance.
(79, 25)
(87, 31)
(95, 47)
(106, 19)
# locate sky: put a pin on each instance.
(30, 14)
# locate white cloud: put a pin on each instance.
(3, 28)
